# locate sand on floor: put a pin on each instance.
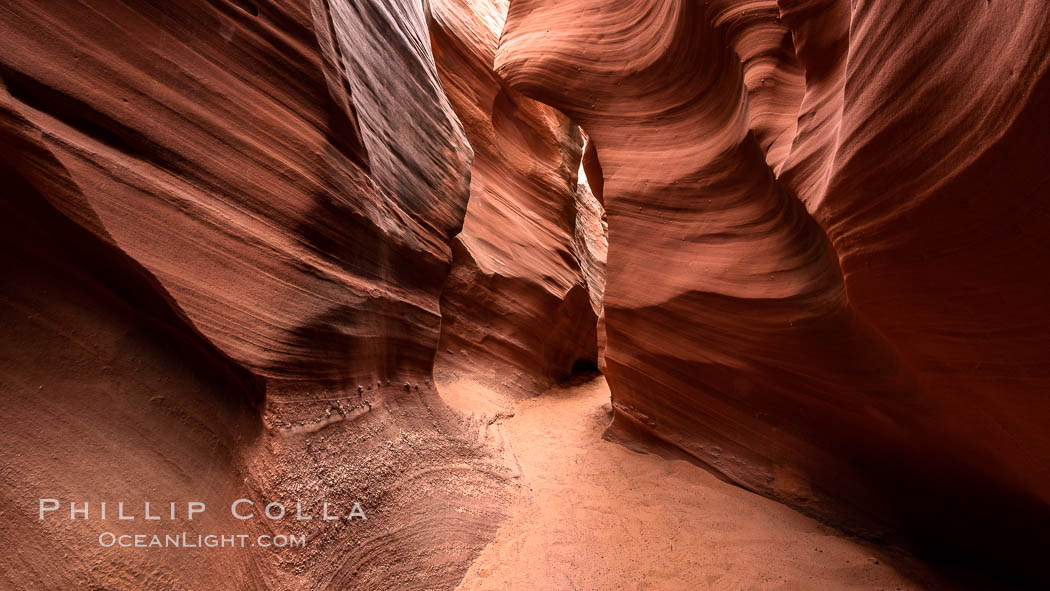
(592, 515)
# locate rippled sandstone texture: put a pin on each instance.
(852, 321)
(517, 309)
(231, 230)
(224, 257)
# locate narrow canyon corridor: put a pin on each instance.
(592, 515)
(524, 295)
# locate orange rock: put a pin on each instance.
(865, 320)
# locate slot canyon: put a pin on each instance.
(524, 295)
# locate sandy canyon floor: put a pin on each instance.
(591, 514)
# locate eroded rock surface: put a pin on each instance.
(236, 233)
(518, 308)
(855, 336)
(299, 234)
(227, 251)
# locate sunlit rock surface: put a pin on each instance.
(520, 306)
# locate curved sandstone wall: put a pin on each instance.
(517, 309)
(238, 233)
(846, 324)
(227, 252)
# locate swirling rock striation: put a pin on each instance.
(229, 228)
(236, 232)
(304, 237)
(520, 305)
(856, 335)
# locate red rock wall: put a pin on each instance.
(231, 230)
(304, 237)
(516, 309)
(859, 335)
(228, 227)
(105, 397)
(591, 235)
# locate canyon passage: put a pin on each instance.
(563, 294)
